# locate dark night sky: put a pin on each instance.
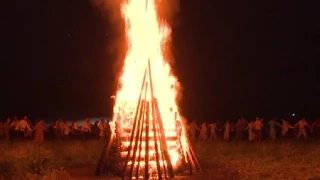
(233, 58)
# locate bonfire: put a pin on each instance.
(149, 139)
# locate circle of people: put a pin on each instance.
(24, 130)
(254, 129)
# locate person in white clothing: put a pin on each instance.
(213, 131)
(285, 127)
(21, 127)
(250, 131)
(86, 128)
(203, 131)
(302, 124)
(226, 135)
(102, 129)
(66, 130)
(75, 129)
(61, 127)
(193, 128)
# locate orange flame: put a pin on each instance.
(147, 36)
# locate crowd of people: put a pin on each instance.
(23, 130)
(254, 130)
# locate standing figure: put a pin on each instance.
(108, 130)
(22, 127)
(240, 127)
(193, 128)
(6, 129)
(29, 132)
(302, 128)
(95, 130)
(203, 131)
(272, 128)
(250, 131)
(39, 132)
(75, 129)
(86, 128)
(13, 132)
(61, 128)
(257, 126)
(102, 129)
(285, 127)
(226, 135)
(213, 131)
(66, 131)
(56, 129)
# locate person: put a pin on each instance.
(302, 124)
(13, 124)
(95, 130)
(193, 128)
(6, 129)
(66, 130)
(39, 132)
(203, 131)
(272, 128)
(61, 127)
(108, 130)
(250, 131)
(56, 129)
(285, 127)
(86, 128)
(21, 127)
(102, 129)
(28, 132)
(213, 131)
(75, 129)
(314, 127)
(240, 127)
(257, 126)
(226, 135)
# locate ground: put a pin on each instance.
(211, 171)
(219, 160)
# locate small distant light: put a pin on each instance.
(113, 97)
(293, 114)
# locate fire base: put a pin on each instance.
(148, 148)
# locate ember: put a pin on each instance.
(148, 138)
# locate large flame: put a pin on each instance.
(147, 36)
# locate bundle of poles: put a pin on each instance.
(148, 133)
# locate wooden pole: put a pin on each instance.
(141, 130)
(137, 139)
(155, 137)
(146, 169)
(134, 124)
(161, 129)
(140, 144)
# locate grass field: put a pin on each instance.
(267, 160)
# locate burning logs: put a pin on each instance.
(146, 148)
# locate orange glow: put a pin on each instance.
(147, 36)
